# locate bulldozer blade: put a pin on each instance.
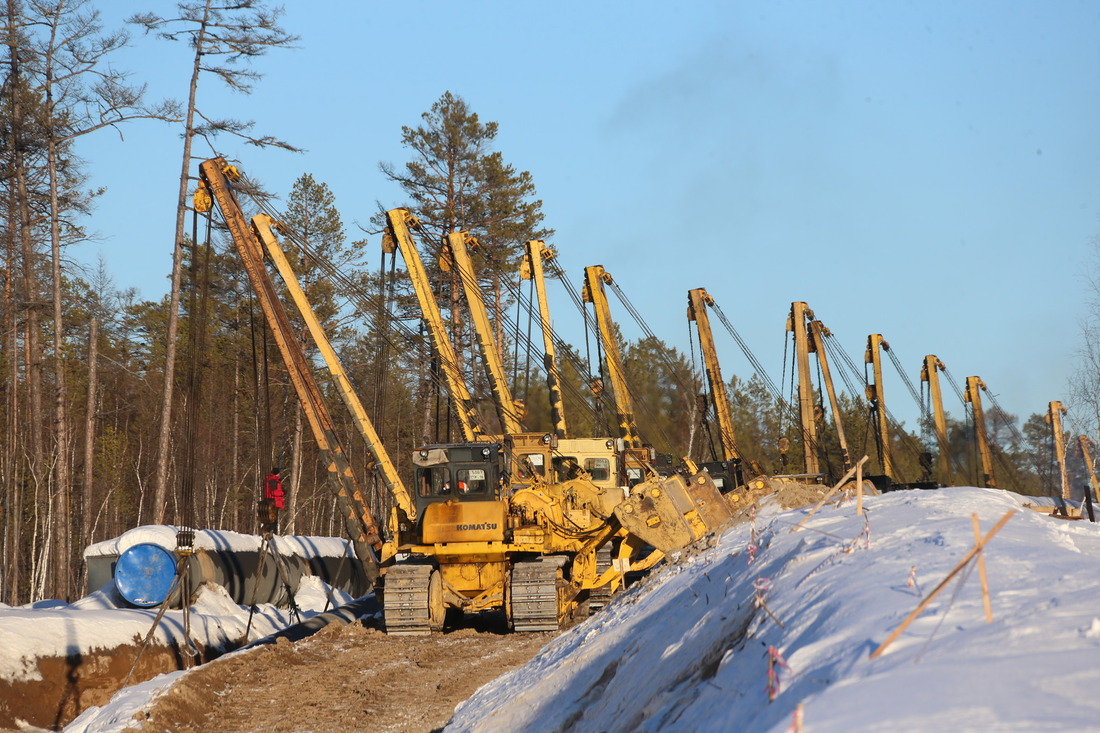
(672, 513)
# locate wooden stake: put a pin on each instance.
(981, 571)
(830, 493)
(943, 583)
(859, 489)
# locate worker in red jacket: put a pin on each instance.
(274, 499)
(273, 489)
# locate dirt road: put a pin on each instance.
(343, 678)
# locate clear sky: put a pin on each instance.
(929, 171)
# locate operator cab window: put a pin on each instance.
(567, 468)
(472, 481)
(598, 468)
(434, 481)
(634, 475)
(536, 462)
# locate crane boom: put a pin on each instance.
(399, 223)
(974, 386)
(1083, 444)
(818, 332)
(532, 269)
(594, 278)
(507, 409)
(358, 520)
(875, 344)
(800, 313)
(262, 224)
(930, 372)
(1055, 410)
(698, 300)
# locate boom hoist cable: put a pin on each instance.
(398, 333)
(198, 305)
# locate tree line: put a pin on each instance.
(119, 411)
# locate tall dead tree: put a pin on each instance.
(224, 36)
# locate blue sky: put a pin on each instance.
(924, 170)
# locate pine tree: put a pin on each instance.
(456, 182)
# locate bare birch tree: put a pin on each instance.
(81, 94)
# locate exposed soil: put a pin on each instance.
(343, 678)
(68, 685)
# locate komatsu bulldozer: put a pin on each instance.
(528, 523)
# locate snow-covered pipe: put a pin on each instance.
(142, 564)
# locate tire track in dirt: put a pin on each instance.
(342, 678)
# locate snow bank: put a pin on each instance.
(212, 603)
(101, 621)
(690, 649)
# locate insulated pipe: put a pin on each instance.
(144, 571)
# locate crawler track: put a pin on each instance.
(535, 594)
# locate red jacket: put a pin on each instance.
(273, 489)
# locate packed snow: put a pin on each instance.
(691, 648)
(103, 621)
(769, 629)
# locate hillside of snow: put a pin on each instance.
(772, 630)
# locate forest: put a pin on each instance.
(119, 412)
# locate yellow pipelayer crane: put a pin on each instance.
(727, 472)
(516, 535)
(216, 177)
(601, 458)
(532, 269)
(637, 460)
(666, 513)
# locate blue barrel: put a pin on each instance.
(144, 574)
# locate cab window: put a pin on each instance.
(472, 480)
(434, 481)
(634, 475)
(566, 468)
(528, 462)
(598, 468)
(536, 462)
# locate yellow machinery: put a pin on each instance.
(930, 372)
(359, 523)
(636, 459)
(974, 388)
(601, 458)
(532, 269)
(1055, 410)
(727, 472)
(546, 505)
(873, 356)
(485, 524)
(800, 313)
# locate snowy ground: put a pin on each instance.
(690, 650)
(691, 647)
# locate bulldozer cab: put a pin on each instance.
(462, 472)
(528, 457)
(596, 457)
